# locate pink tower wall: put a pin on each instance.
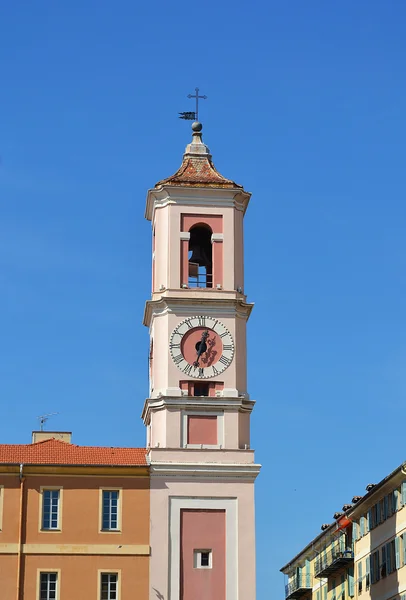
(203, 530)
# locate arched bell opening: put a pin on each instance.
(200, 257)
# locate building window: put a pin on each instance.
(203, 559)
(200, 257)
(50, 509)
(109, 586)
(48, 586)
(201, 389)
(110, 510)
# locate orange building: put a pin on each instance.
(74, 521)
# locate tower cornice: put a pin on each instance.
(242, 404)
(165, 194)
(189, 305)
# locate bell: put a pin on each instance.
(198, 256)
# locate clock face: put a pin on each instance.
(201, 347)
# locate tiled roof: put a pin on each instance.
(197, 168)
(55, 452)
(198, 172)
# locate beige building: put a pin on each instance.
(362, 554)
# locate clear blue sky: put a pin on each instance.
(306, 108)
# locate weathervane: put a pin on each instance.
(193, 115)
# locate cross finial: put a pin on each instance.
(196, 96)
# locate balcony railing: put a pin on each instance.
(336, 558)
(297, 586)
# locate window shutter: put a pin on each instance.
(368, 521)
(333, 588)
(404, 548)
(389, 568)
(318, 595)
(367, 570)
(354, 532)
(403, 493)
(342, 542)
(384, 566)
(385, 508)
(351, 581)
(396, 495)
(360, 576)
(362, 525)
(397, 552)
(325, 591)
(372, 567)
(307, 573)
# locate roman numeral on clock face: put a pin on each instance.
(177, 359)
(187, 369)
(227, 347)
(202, 321)
(224, 361)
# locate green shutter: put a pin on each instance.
(384, 557)
(385, 508)
(360, 576)
(362, 525)
(372, 567)
(308, 573)
(342, 542)
(354, 533)
(318, 595)
(368, 521)
(404, 548)
(351, 582)
(389, 567)
(397, 552)
(325, 591)
(403, 493)
(396, 497)
(367, 570)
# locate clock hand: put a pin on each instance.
(202, 348)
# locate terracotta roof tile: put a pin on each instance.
(55, 452)
(198, 172)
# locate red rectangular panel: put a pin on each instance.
(202, 429)
(203, 530)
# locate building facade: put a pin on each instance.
(74, 521)
(362, 554)
(198, 411)
(174, 520)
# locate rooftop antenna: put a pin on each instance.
(44, 418)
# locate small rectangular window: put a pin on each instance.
(50, 509)
(110, 510)
(109, 586)
(48, 586)
(201, 389)
(203, 559)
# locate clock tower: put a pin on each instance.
(198, 411)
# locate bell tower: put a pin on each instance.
(198, 411)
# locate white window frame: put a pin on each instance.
(100, 573)
(197, 559)
(50, 571)
(119, 509)
(58, 528)
(202, 413)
